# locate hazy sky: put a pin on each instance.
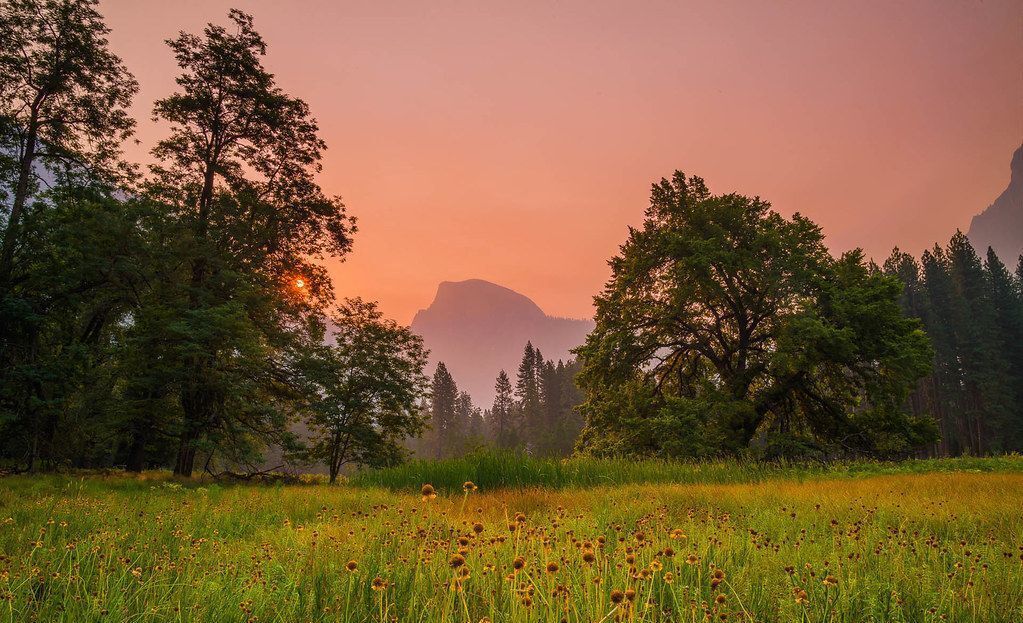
(516, 141)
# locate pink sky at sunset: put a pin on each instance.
(515, 142)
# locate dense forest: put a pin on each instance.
(972, 309)
(537, 414)
(178, 315)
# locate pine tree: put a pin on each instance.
(527, 389)
(444, 412)
(502, 425)
(1007, 302)
(983, 366)
(944, 313)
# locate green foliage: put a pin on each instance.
(362, 389)
(724, 321)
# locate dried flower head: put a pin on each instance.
(429, 492)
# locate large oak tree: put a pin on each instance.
(724, 322)
(238, 169)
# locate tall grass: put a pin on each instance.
(498, 470)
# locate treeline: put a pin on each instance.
(537, 415)
(178, 315)
(972, 310)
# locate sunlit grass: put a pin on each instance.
(942, 546)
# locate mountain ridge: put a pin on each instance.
(1000, 225)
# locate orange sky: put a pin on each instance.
(515, 141)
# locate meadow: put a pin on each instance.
(920, 541)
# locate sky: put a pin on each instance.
(517, 141)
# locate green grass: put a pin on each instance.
(920, 542)
(492, 470)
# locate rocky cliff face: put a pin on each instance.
(1000, 226)
(478, 328)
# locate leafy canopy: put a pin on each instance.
(724, 322)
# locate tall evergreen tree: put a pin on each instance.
(1007, 302)
(444, 413)
(502, 424)
(527, 390)
(987, 400)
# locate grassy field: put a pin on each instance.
(931, 541)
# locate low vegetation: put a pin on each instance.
(794, 544)
(494, 469)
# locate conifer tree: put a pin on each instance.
(444, 412)
(502, 425)
(1007, 303)
(987, 401)
(527, 389)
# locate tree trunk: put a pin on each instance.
(137, 452)
(20, 196)
(186, 454)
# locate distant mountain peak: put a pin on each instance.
(477, 297)
(1000, 226)
(478, 328)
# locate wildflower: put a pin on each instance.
(428, 492)
(617, 596)
(477, 527)
(630, 595)
(692, 559)
(678, 534)
(351, 565)
(588, 557)
(830, 580)
(801, 596)
(720, 599)
(520, 518)
(456, 561)
(656, 565)
(468, 486)
(379, 584)
(552, 567)
(669, 577)
(518, 563)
